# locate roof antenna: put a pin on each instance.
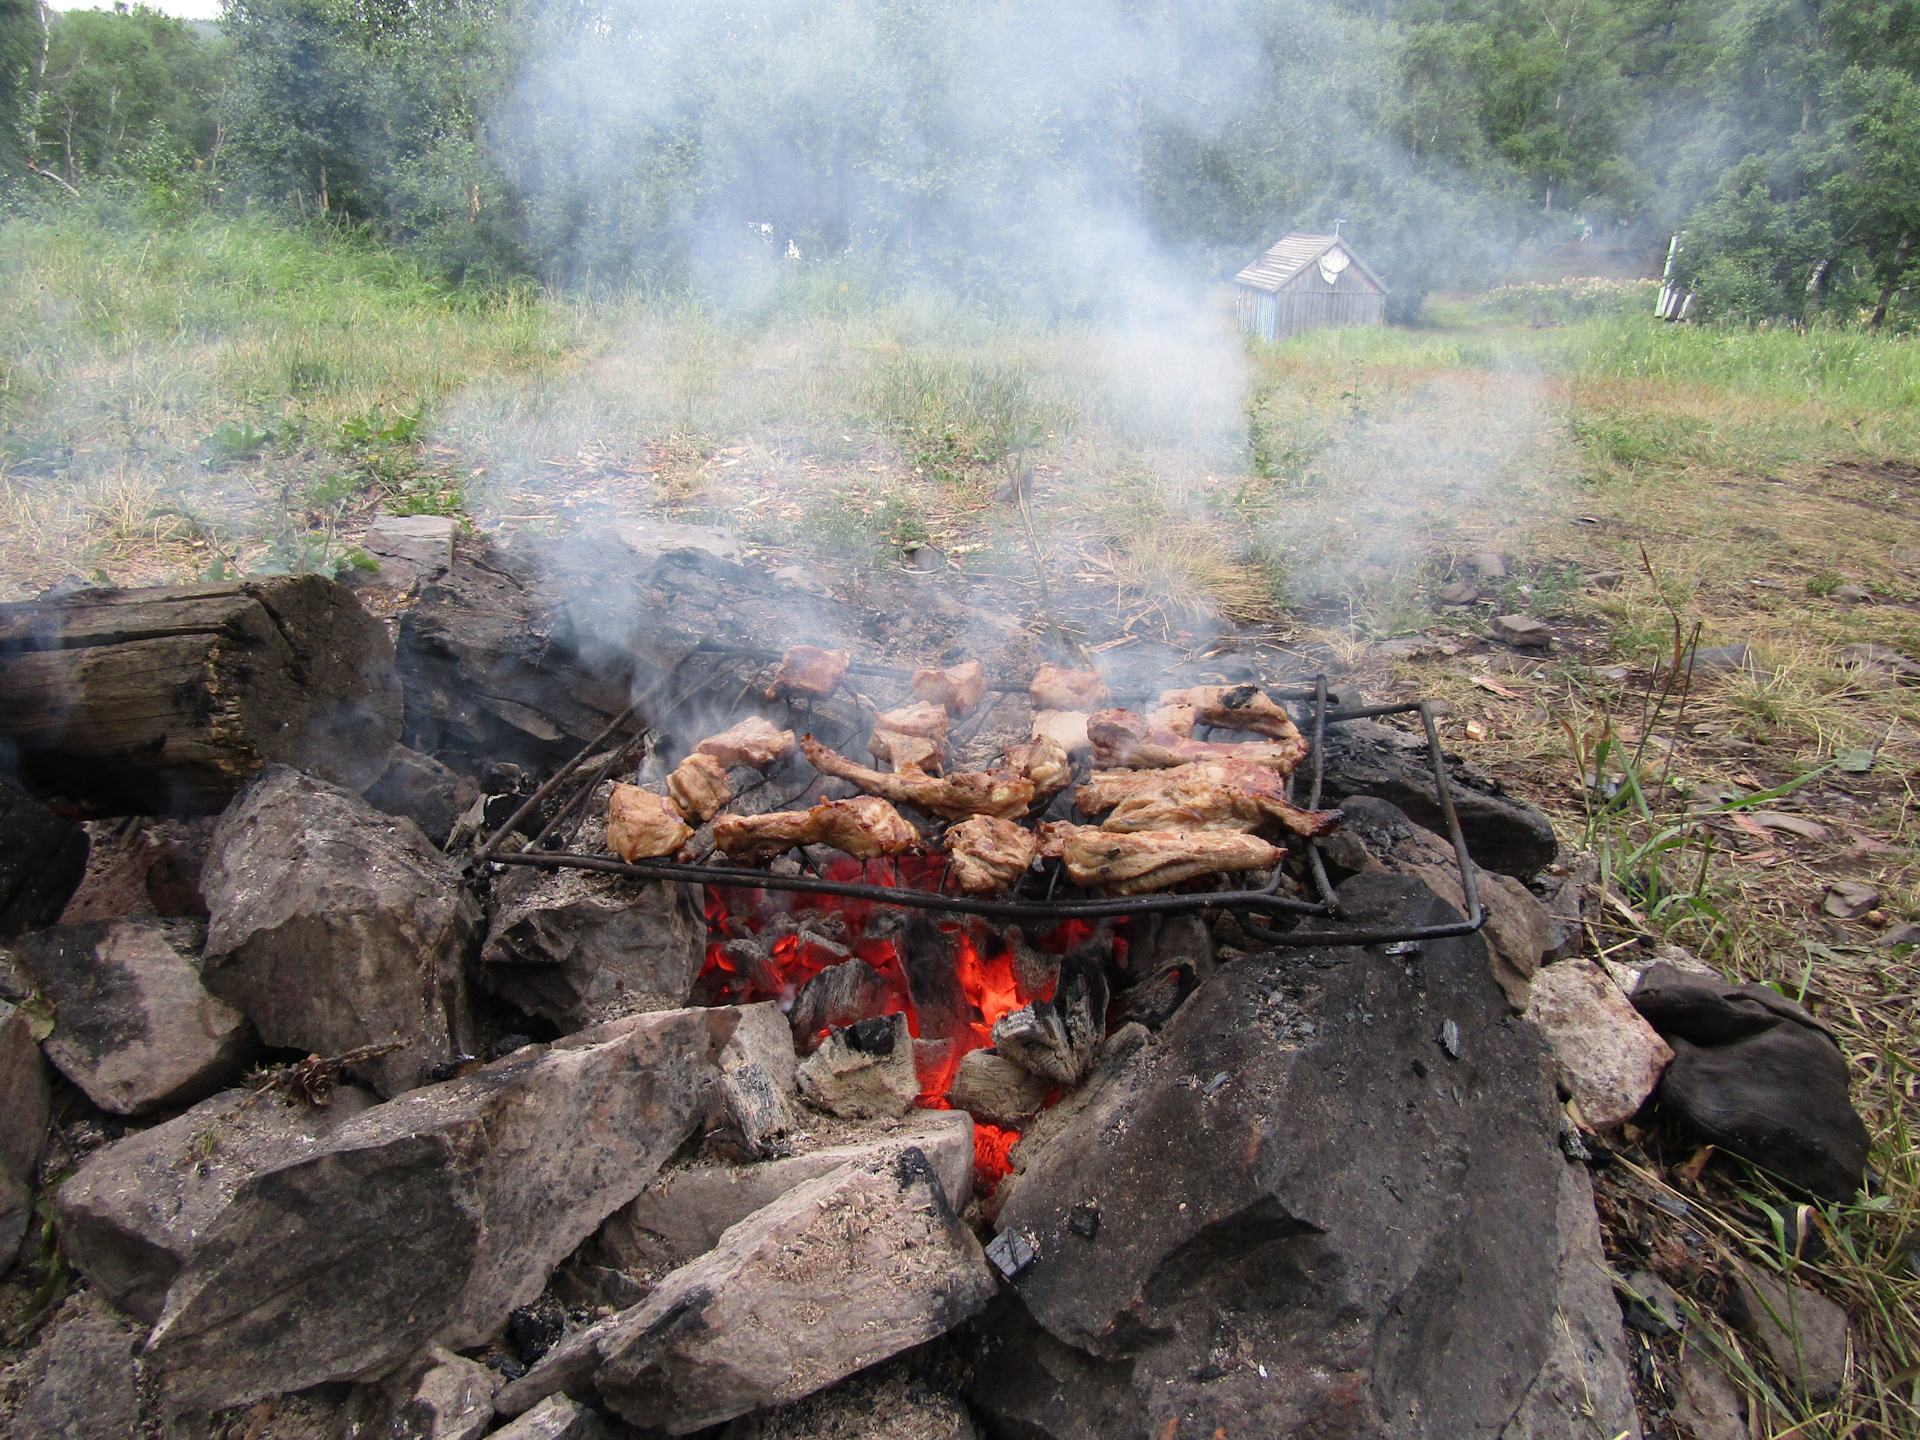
(1336, 227)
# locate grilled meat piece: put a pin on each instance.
(890, 747)
(863, 827)
(1043, 761)
(1205, 795)
(1055, 687)
(988, 854)
(1066, 728)
(642, 825)
(1133, 863)
(1235, 707)
(1121, 738)
(952, 797)
(925, 719)
(957, 690)
(811, 671)
(755, 741)
(1179, 719)
(699, 786)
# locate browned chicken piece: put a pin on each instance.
(698, 785)
(1066, 728)
(957, 690)
(642, 825)
(1121, 738)
(923, 718)
(952, 797)
(1055, 687)
(988, 854)
(1178, 719)
(1130, 864)
(1052, 836)
(757, 742)
(1043, 761)
(863, 827)
(890, 747)
(1206, 795)
(807, 670)
(1235, 707)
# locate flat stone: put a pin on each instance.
(1608, 1059)
(556, 1418)
(682, 1213)
(863, 1072)
(332, 927)
(1313, 1200)
(578, 948)
(1867, 656)
(23, 1127)
(1708, 1401)
(133, 1026)
(1804, 1333)
(410, 547)
(1488, 565)
(1792, 824)
(1523, 632)
(839, 1273)
(424, 791)
(756, 1080)
(1905, 934)
(1583, 1386)
(1758, 1076)
(1719, 660)
(656, 537)
(437, 1396)
(993, 1089)
(85, 1378)
(129, 1216)
(432, 1217)
(1460, 592)
(1849, 899)
(1414, 647)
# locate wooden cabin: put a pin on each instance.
(1309, 282)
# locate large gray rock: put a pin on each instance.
(133, 1026)
(1351, 1227)
(557, 1418)
(682, 1213)
(83, 1382)
(578, 948)
(433, 1216)
(23, 1127)
(839, 1273)
(1503, 833)
(1608, 1059)
(333, 926)
(436, 1396)
(1583, 1391)
(129, 1216)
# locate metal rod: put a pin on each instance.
(485, 852)
(1316, 862)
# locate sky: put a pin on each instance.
(185, 9)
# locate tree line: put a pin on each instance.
(1001, 147)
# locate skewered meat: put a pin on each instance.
(989, 854)
(863, 827)
(1044, 762)
(1130, 864)
(1055, 687)
(1207, 795)
(1121, 738)
(927, 720)
(1235, 707)
(699, 786)
(1180, 719)
(810, 671)
(956, 690)
(755, 741)
(642, 825)
(1066, 728)
(890, 747)
(952, 797)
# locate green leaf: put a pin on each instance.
(1854, 762)
(38, 1011)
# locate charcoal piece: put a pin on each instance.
(1057, 1039)
(995, 1090)
(1154, 1001)
(43, 859)
(188, 690)
(1034, 972)
(1084, 1221)
(1011, 1252)
(863, 1084)
(535, 1329)
(838, 996)
(873, 1036)
(1758, 1076)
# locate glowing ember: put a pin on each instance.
(992, 1156)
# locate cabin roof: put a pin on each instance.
(1293, 254)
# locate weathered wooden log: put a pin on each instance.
(167, 700)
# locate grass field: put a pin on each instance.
(230, 395)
